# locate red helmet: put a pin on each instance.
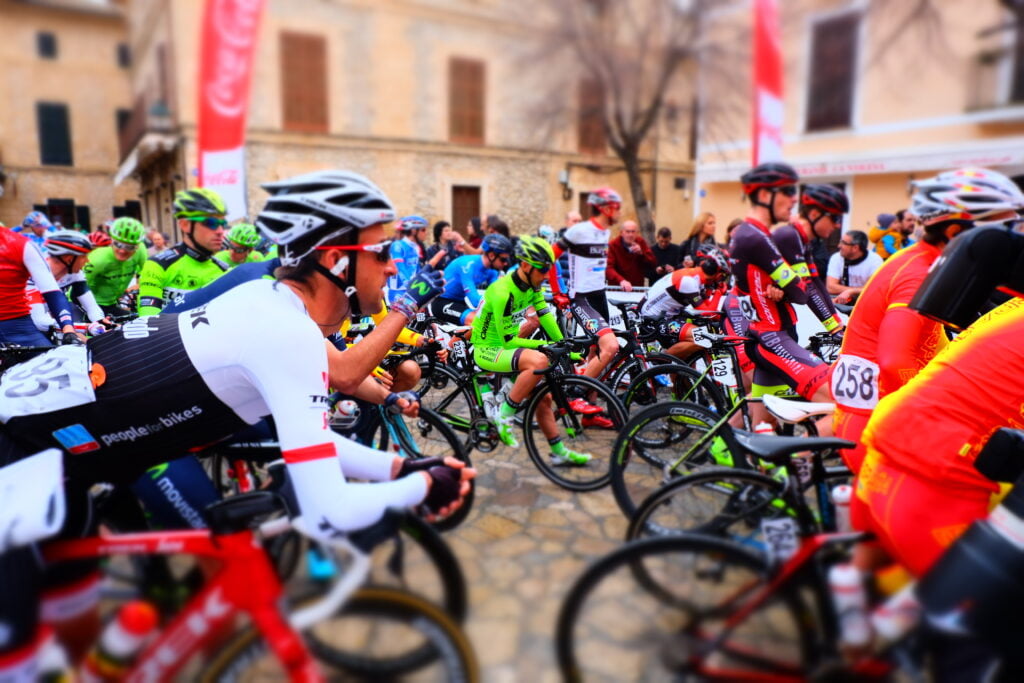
(604, 196)
(99, 239)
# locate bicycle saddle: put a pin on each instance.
(795, 411)
(773, 448)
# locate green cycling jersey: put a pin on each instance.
(225, 258)
(503, 310)
(172, 272)
(108, 278)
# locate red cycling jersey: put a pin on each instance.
(21, 260)
(885, 345)
(934, 427)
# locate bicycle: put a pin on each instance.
(712, 607)
(245, 582)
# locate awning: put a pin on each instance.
(149, 145)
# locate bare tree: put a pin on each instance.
(630, 56)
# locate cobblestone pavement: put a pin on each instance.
(524, 543)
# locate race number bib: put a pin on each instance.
(701, 338)
(782, 537)
(855, 382)
(721, 371)
(54, 381)
(748, 309)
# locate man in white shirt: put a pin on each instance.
(850, 267)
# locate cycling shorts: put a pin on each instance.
(915, 519)
(849, 425)
(737, 325)
(452, 311)
(591, 312)
(497, 358)
(780, 360)
(671, 332)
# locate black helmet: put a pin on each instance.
(768, 175)
(713, 261)
(827, 198)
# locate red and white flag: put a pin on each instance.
(767, 69)
(228, 40)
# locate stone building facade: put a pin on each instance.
(65, 90)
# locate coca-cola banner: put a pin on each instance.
(227, 51)
(767, 70)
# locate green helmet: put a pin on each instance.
(126, 229)
(535, 251)
(244, 235)
(198, 202)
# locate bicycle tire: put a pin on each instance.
(445, 642)
(682, 383)
(446, 393)
(724, 502)
(594, 474)
(605, 632)
(444, 444)
(652, 449)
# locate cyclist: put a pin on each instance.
(20, 261)
(406, 254)
(466, 275)
(587, 245)
(119, 416)
(189, 264)
(820, 214)
(767, 286)
(241, 242)
(110, 270)
(36, 226)
(497, 346)
(681, 292)
(66, 252)
(99, 239)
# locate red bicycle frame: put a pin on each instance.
(245, 582)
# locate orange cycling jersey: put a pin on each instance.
(886, 343)
(934, 427)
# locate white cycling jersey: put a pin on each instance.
(587, 245)
(674, 293)
(160, 385)
(80, 292)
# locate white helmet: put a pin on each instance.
(310, 209)
(967, 194)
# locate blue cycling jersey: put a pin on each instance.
(406, 256)
(465, 275)
(242, 274)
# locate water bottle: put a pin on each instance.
(841, 497)
(487, 397)
(344, 414)
(764, 428)
(850, 602)
(54, 665)
(120, 642)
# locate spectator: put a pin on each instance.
(158, 241)
(629, 258)
(667, 256)
(907, 226)
(474, 235)
(446, 240)
(850, 267)
(702, 233)
(888, 236)
(571, 219)
(733, 224)
(496, 225)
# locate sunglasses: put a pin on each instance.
(848, 244)
(123, 246)
(788, 190)
(239, 250)
(382, 250)
(211, 222)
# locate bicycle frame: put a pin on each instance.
(245, 582)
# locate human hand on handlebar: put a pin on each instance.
(562, 301)
(448, 485)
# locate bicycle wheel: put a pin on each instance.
(672, 382)
(425, 436)
(722, 501)
(444, 392)
(378, 625)
(665, 609)
(586, 434)
(660, 444)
